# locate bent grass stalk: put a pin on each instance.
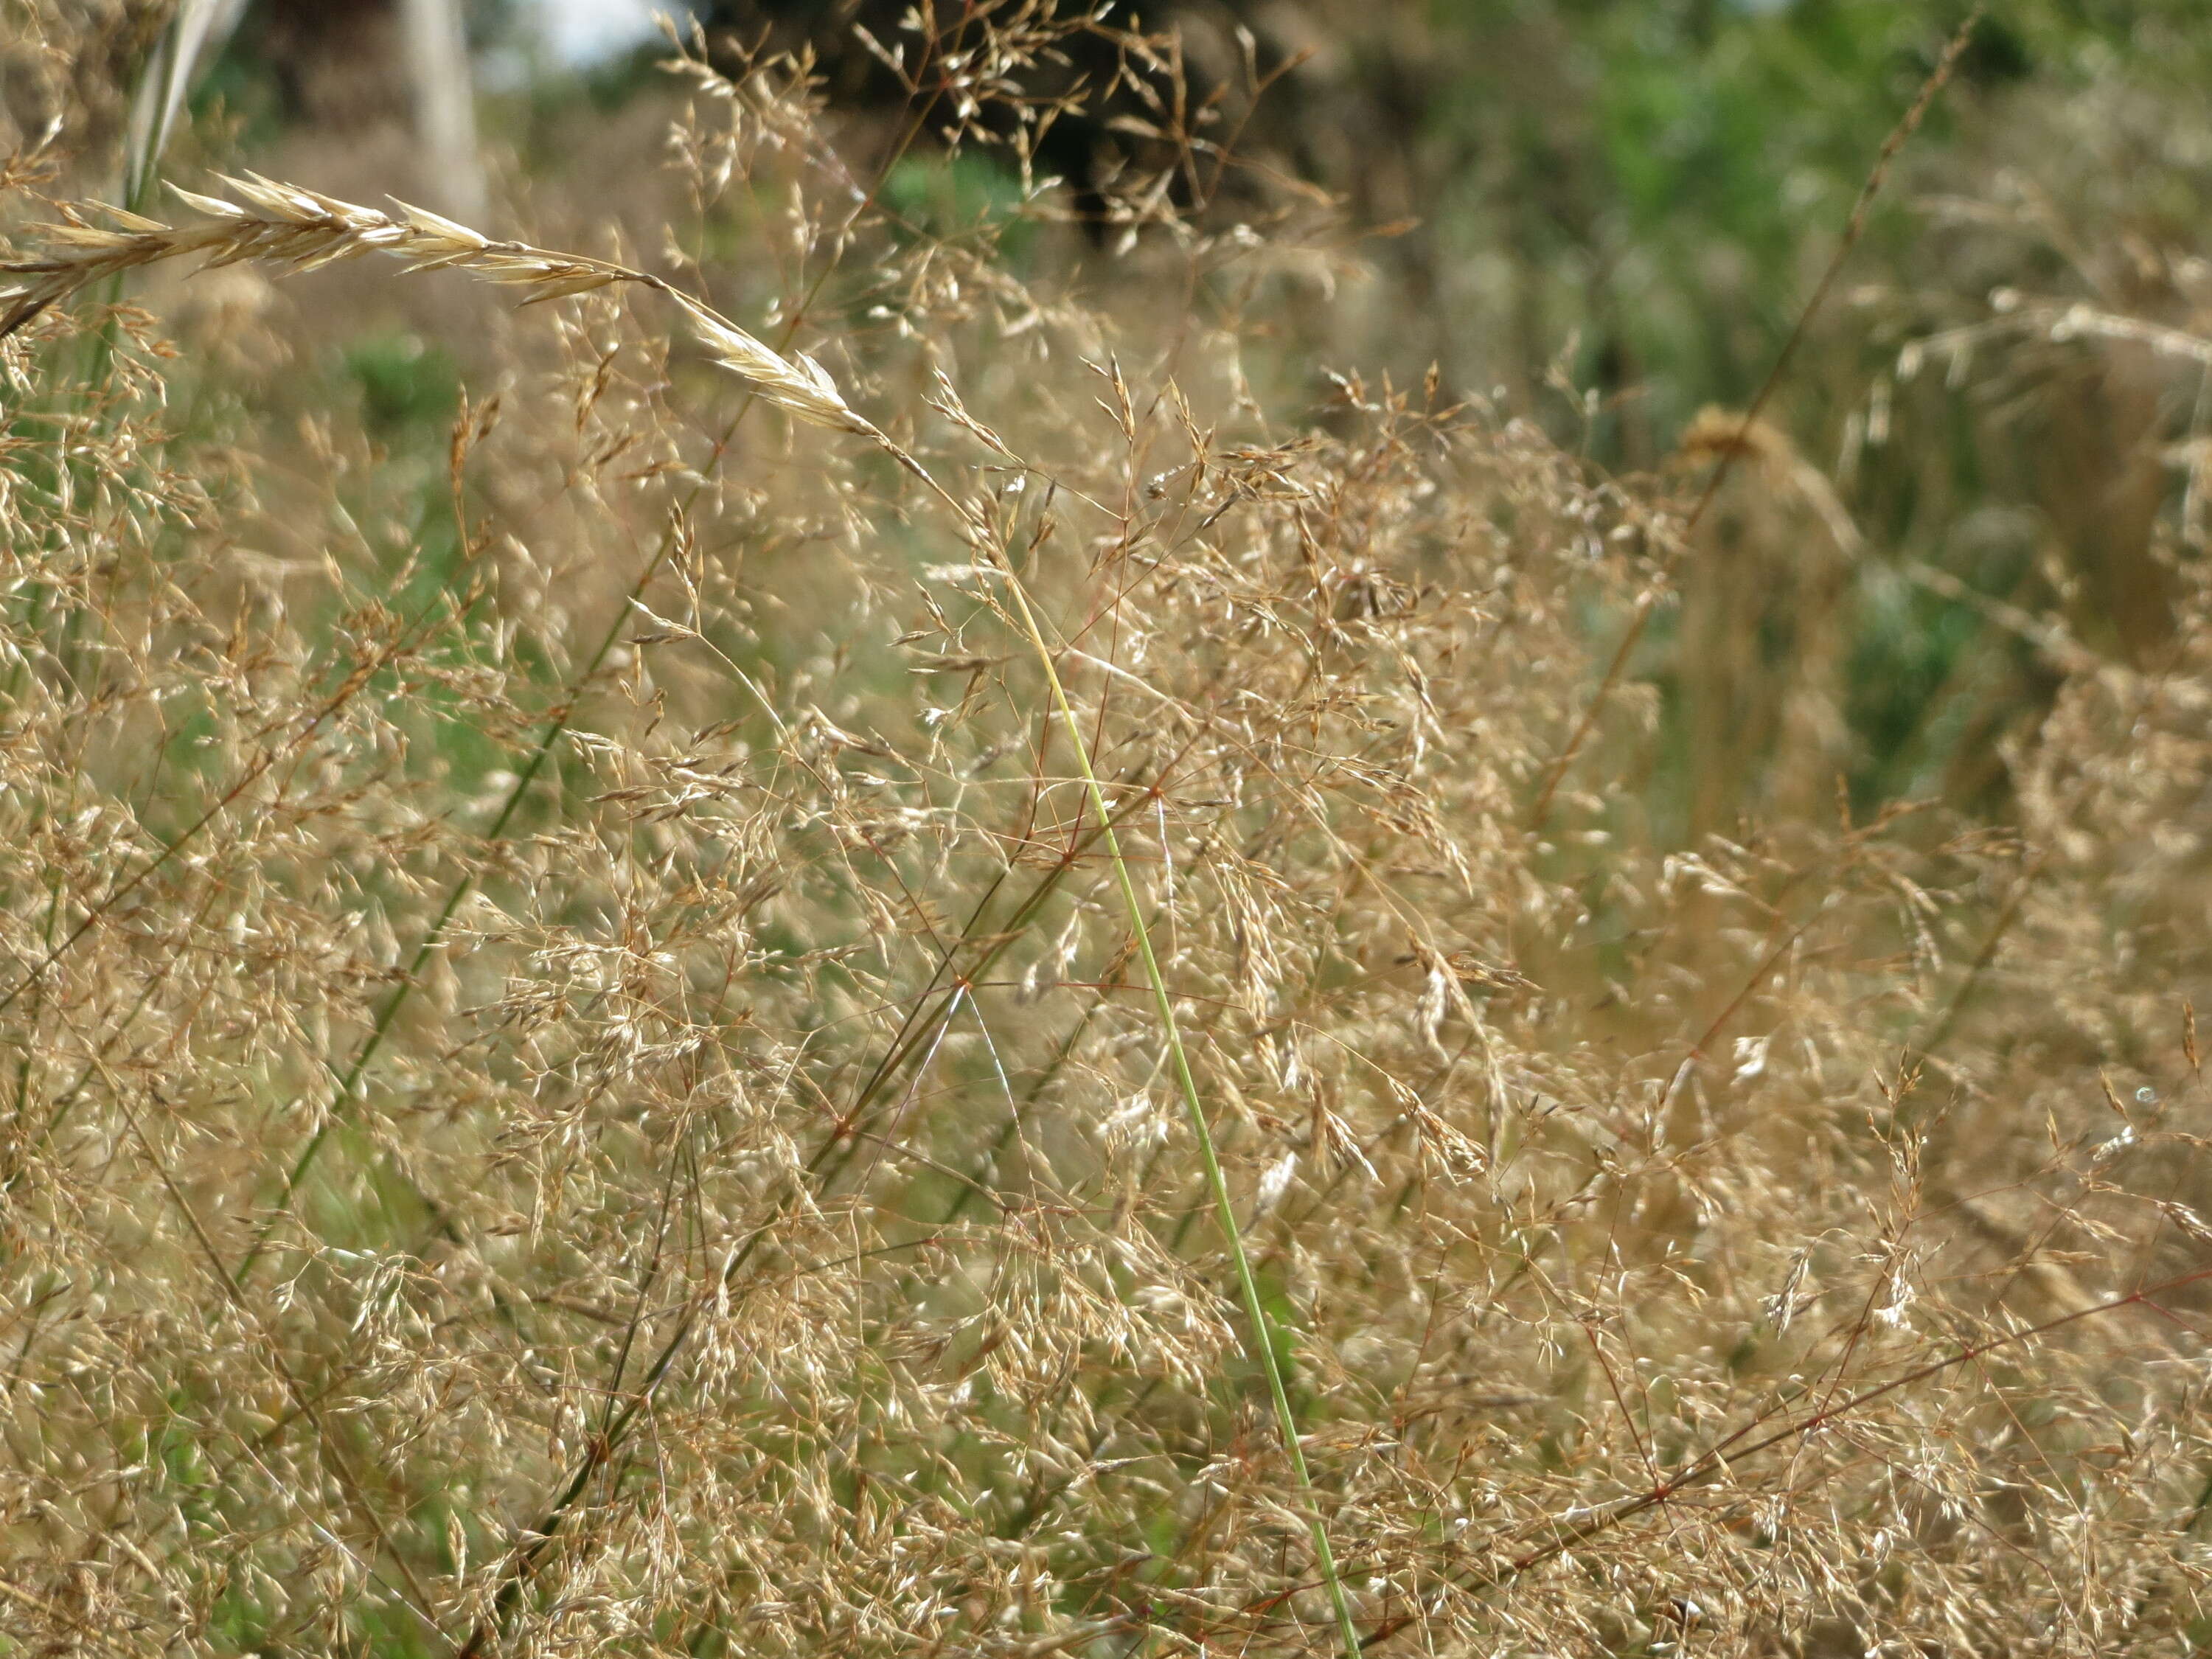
(1248, 1287)
(299, 229)
(631, 1417)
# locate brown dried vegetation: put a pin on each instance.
(577, 1080)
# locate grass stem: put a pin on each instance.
(1248, 1287)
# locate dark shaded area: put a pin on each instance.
(1224, 101)
(335, 64)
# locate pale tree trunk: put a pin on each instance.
(346, 64)
(444, 106)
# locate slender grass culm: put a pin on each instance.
(300, 230)
(592, 1064)
(1262, 1341)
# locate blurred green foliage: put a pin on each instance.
(409, 389)
(1654, 187)
(1664, 172)
(951, 197)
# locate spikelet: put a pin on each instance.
(297, 229)
(798, 384)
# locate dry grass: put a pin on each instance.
(584, 1064)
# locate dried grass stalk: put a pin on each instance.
(298, 230)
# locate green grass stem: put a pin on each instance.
(1248, 1287)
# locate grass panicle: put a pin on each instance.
(1100, 1015)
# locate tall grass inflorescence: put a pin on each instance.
(984, 967)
